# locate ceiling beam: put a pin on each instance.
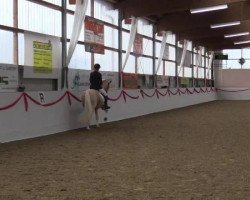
(142, 8)
(221, 40)
(219, 45)
(222, 47)
(207, 32)
(185, 21)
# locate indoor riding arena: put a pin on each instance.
(124, 100)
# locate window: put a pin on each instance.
(145, 65)
(209, 74)
(158, 37)
(187, 72)
(200, 72)
(108, 61)
(172, 53)
(130, 66)
(126, 25)
(38, 18)
(246, 53)
(80, 59)
(169, 68)
(147, 47)
(6, 12)
(105, 12)
(45, 20)
(6, 56)
(233, 58)
(73, 7)
(157, 49)
(110, 37)
(180, 71)
(189, 46)
(21, 48)
(56, 2)
(231, 64)
(233, 53)
(145, 28)
(125, 40)
(160, 70)
(171, 39)
(203, 61)
(70, 23)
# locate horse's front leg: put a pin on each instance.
(97, 117)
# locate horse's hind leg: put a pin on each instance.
(88, 125)
(88, 122)
(97, 118)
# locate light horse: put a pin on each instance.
(92, 100)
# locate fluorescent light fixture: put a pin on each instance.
(236, 34)
(242, 42)
(208, 9)
(225, 24)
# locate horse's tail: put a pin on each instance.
(88, 107)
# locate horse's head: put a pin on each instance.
(105, 84)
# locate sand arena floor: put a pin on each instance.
(195, 153)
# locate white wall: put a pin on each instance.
(233, 84)
(228, 78)
(234, 94)
(16, 123)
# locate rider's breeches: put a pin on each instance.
(103, 92)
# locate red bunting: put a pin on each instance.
(26, 97)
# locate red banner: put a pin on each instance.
(72, 1)
(130, 81)
(128, 21)
(94, 36)
(138, 45)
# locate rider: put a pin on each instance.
(96, 84)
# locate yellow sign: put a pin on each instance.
(42, 57)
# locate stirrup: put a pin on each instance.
(106, 107)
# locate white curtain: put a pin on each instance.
(184, 51)
(133, 31)
(198, 60)
(210, 63)
(163, 46)
(80, 12)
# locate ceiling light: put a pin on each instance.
(225, 24)
(242, 42)
(236, 34)
(208, 9)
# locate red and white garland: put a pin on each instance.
(123, 94)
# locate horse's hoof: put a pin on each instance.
(97, 125)
(87, 128)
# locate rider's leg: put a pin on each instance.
(105, 95)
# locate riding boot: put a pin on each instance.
(106, 107)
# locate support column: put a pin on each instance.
(64, 46)
(120, 47)
(92, 13)
(212, 73)
(193, 84)
(176, 64)
(154, 53)
(15, 33)
(205, 67)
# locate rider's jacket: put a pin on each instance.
(95, 80)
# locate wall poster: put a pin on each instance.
(8, 78)
(94, 36)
